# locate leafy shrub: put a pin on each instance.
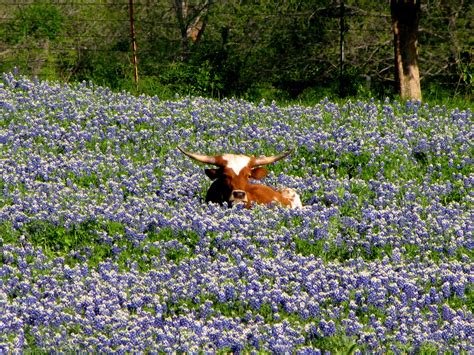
(191, 79)
(38, 20)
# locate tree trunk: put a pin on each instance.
(192, 20)
(181, 8)
(405, 20)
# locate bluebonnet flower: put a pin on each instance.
(327, 328)
(80, 153)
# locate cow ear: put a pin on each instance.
(212, 173)
(258, 173)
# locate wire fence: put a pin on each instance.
(361, 38)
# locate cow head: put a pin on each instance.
(231, 177)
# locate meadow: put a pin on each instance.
(106, 244)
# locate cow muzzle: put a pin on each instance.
(238, 196)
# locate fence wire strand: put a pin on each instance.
(88, 41)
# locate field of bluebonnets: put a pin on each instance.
(106, 243)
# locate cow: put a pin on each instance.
(292, 196)
(231, 180)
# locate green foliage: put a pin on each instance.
(282, 51)
(8, 234)
(467, 300)
(59, 239)
(37, 20)
(188, 241)
(192, 79)
(262, 91)
(339, 344)
(353, 83)
(28, 37)
(331, 249)
(103, 70)
(94, 242)
(149, 85)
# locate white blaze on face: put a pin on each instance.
(236, 162)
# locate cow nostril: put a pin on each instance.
(239, 195)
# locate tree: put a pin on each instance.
(405, 20)
(192, 20)
(287, 49)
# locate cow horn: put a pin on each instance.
(268, 160)
(202, 158)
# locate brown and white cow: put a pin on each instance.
(231, 180)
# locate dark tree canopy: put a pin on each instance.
(288, 49)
